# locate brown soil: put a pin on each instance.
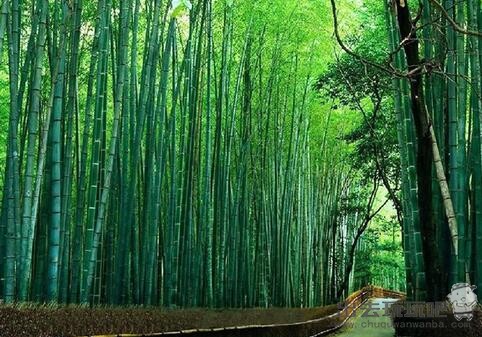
(43, 321)
(446, 326)
(74, 321)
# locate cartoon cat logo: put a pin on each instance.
(463, 300)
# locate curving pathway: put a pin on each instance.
(370, 320)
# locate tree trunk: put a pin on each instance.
(427, 149)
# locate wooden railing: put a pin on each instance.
(311, 328)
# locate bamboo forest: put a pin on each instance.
(240, 168)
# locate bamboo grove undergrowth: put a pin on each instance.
(161, 153)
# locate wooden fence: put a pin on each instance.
(311, 328)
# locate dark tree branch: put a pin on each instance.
(351, 52)
(368, 217)
(452, 22)
(377, 156)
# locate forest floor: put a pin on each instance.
(44, 321)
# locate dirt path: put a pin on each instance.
(370, 320)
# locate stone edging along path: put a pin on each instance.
(315, 327)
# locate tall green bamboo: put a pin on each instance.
(12, 181)
(167, 156)
(28, 227)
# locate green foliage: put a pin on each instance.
(380, 259)
(171, 154)
(228, 153)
